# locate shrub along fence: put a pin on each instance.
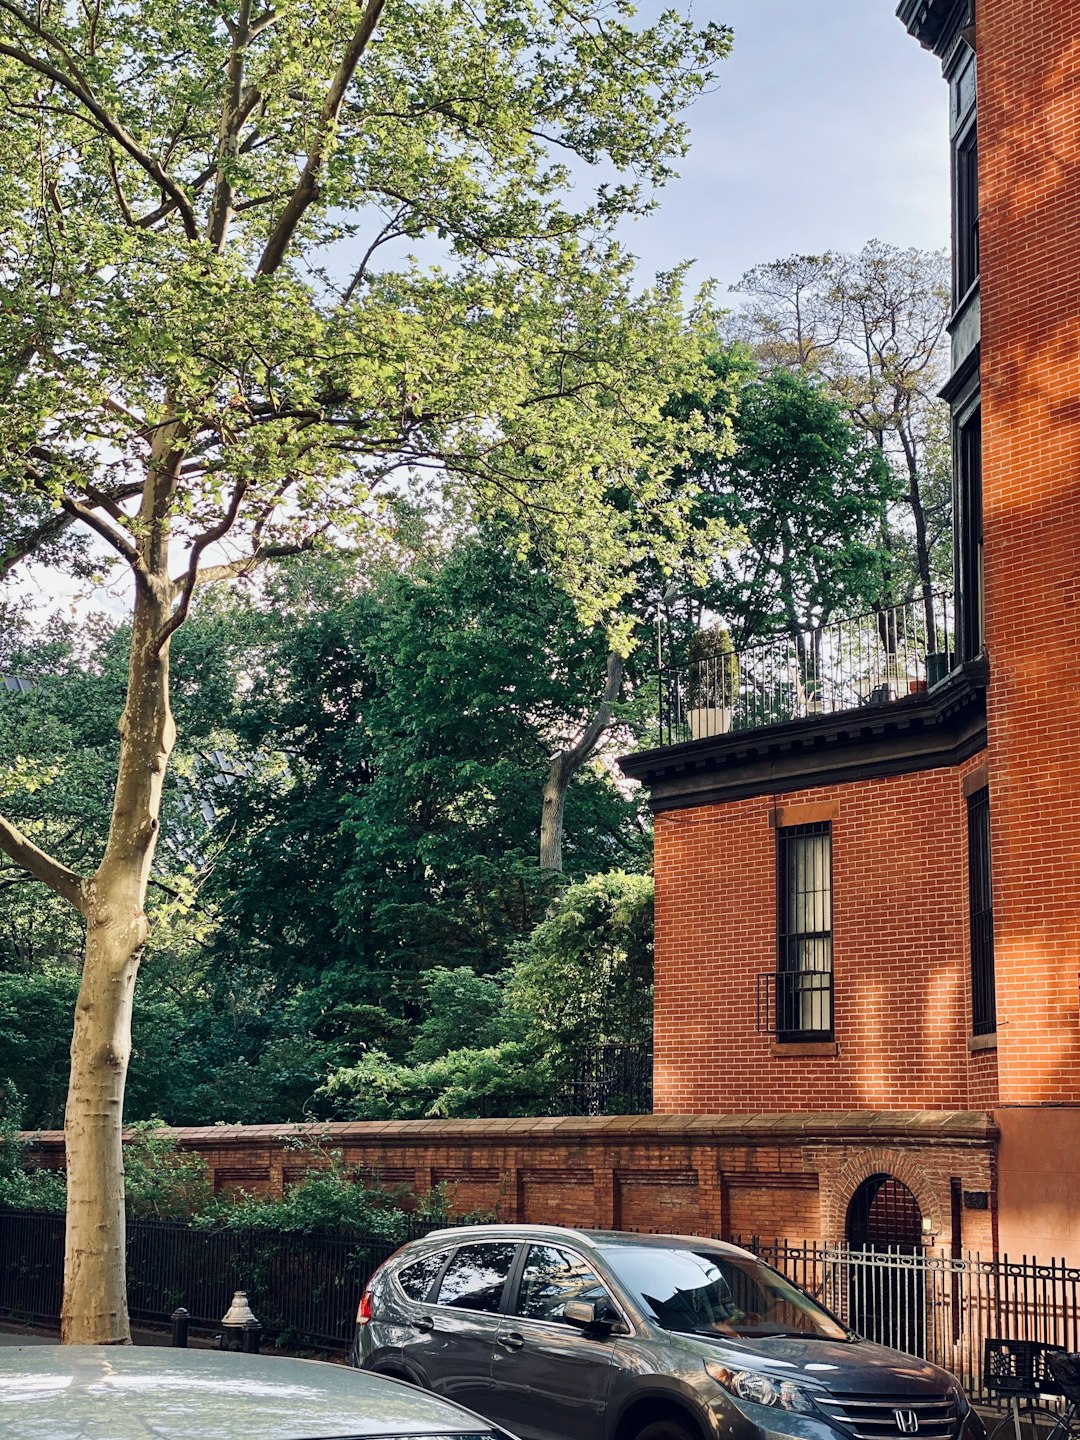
(303, 1288)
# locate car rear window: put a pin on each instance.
(476, 1276)
(416, 1279)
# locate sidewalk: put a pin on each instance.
(13, 1334)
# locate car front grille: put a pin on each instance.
(892, 1417)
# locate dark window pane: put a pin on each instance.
(966, 179)
(981, 916)
(552, 1277)
(416, 1279)
(475, 1277)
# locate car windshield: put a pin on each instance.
(702, 1292)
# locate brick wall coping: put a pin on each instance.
(922, 1127)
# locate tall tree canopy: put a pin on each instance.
(872, 327)
(205, 359)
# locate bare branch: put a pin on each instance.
(307, 187)
(118, 190)
(43, 867)
(390, 231)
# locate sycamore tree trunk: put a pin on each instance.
(95, 1291)
(564, 765)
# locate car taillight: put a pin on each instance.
(363, 1313)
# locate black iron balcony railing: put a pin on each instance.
(871, 659)
(795, 1004)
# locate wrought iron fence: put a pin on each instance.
(610, 1080)
(305, 1287)
(940, 1308)
(870, 659)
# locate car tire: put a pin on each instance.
(667, 1430)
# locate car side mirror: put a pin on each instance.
(582, 1315)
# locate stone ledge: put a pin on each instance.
(914, 1126)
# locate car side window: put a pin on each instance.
(475, 1278)
(416, 1279)
(552, 1277)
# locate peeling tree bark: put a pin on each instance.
(564, 765)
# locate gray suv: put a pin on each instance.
(598, 1335)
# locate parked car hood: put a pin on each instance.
(77, 1392)
(842, 1367)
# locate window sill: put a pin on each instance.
(805, 1050)
(982, 1042)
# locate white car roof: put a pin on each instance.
(82, 1392)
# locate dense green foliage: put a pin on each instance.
(581, 979)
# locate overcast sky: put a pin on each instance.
(829, 129)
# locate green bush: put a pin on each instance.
(584, 975)
(332, 1196)
(22, 1187)
(161, 1181)
(513, 1078)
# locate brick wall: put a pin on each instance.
(788, 1176)
(900, 953)
(1029, 163)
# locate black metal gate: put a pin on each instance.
(887, 1304)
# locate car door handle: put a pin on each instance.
(511, 1340)
(425, 1323)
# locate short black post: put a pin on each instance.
(180, 1322)
(252, 1337)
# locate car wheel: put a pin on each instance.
(666, 1430)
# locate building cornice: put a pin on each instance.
(934, 23)
(939, 728)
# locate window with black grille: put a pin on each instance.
(804, 976)
(981, 912)
(965, 167)
(968, 532)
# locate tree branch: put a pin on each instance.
(34, 861)
(208, 537)
(119, 542)
(112, 127)
(307, 187)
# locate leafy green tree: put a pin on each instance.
(462, 1010)
(202, 362)
(582, 978)
(808, 493)
(413, 721)
(872, 327)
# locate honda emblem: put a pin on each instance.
(907, 1422)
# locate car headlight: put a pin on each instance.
(760, 1388)
(963, 1404)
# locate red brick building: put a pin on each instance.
(868, 891)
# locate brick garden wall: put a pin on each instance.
(1029, 165)
(900, 953)
(787, 1176)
